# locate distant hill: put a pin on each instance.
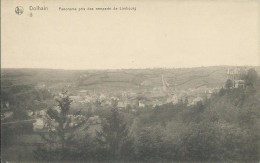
(181, 78)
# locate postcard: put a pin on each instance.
(130, 81)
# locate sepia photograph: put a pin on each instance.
(130, 81)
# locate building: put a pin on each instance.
(172, 99)
(30, 113)
(39, 124)
(121, 105)
(239, 84)
(141, 104)
(236, 75)
(196, 100)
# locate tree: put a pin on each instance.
(60, 130)
(251, 77)
(149, 144)
(229, 84)
(113, 134)
(199, 142)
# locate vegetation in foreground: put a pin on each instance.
(222, 128)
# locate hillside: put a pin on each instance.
(181, 78)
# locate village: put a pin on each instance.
(132, 100)
(141, 102)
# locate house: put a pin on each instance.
(39, 124)
(235, 75)
(94, 120)
(172, 99)
(30, 113)
(121, 105)
(195, 100)
(141, 104)
(42, 112)
(57, 108)
(239, 83)
(102, 97)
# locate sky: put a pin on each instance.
(160, 33)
